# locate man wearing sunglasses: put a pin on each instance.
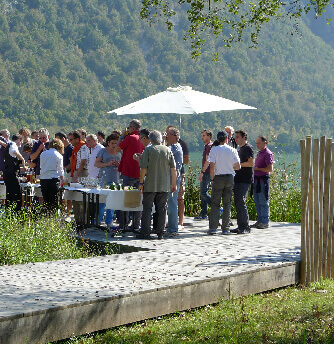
(40, 146)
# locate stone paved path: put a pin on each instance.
(193, 256)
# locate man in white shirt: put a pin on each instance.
(94, 146)
(224, 160)
(51, 162)
(13, 159)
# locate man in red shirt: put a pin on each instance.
(128, 167)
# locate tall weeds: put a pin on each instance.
(29, 236)
(192, 200)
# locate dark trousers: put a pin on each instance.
(128, 181)
(240, 196)
(49, 188)
(222, 187)
(205, 197)
(160, 201)
(13, 190)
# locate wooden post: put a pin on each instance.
(316, 226)
(321, 201)
(310, 221)
(303, 214)
(328, 159)
(331, 220)
(309, 205)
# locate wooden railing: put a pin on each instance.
(317, 183)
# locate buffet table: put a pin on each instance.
(27, 189)
(124, 200)
(114, 199)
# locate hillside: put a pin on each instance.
(64, 64)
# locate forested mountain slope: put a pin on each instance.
(65, 63)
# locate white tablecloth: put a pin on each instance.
(114, 199)
(2, 191)
(35, 189)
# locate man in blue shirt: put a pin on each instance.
(173, 135)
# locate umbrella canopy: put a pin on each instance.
(180, 100)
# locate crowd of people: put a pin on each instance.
(151, 161)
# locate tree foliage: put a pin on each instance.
(231, 19)
(65, 64)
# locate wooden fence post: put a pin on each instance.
(321, 202)
(316, 266)
(303, 215)
(309, 207)
(325, 228)
(331, 220)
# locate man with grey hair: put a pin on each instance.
(231, 139)
(41, 145)
(94, 148)
(128, 167)
(172, 137)
(157, 166)
(5, 134)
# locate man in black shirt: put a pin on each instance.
(68, 149)
(13, 160)
(242, 180)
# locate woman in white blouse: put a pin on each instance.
(51, 172)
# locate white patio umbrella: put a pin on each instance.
(180, 100)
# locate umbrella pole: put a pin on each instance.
(180, 123)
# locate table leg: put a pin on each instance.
(97, 209)
(84, 208)
(89, 210)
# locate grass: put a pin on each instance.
(29, 236)
(289, 315)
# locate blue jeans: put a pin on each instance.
(173, 221)
(261, 204)
(205, 197)
(109, 214)
(129, 181)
